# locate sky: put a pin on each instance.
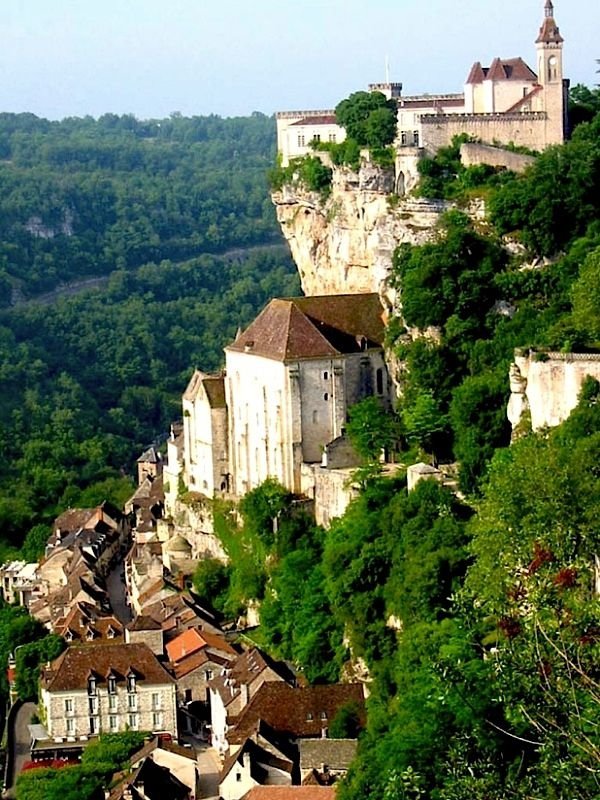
(63, 58)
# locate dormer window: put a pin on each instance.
(131, 683)
(91, 685)
(112, 685)
(69, 635)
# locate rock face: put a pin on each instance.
(345, 244)
(547, 385)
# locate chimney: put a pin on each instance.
(245, 694)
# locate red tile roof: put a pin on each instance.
(325, 119)
(290, 793)
(297, 712)
(508, 69)
(192, 640)
(314, 327)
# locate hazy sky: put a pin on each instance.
(152, 57)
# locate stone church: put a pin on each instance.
(505, 102)
(284, 395)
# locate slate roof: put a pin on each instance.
(150, 456)
(336, 754)
(71, 670)
(297, 712)
(314, 327)
(290, 793)
(508, 69)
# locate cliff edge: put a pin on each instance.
(344, 243)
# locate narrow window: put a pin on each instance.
(112, 685)
(325, 376)
(157, 720)
(113, 723)
(403, 138)
(70, 727)
(326, 396)
(416, 138)
(155, 700)
(379, 380)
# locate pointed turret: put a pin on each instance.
(549, 31)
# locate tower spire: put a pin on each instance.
(549, 32)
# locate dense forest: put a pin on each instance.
(83, 197)
(89, 380)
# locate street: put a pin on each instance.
(21, 742)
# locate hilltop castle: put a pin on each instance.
(504, 103)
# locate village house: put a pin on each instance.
(106, 688)
(254, 765)
(323, 760)
(505, 102)
(195, 658)
(236, 685)
(302, 712)
(19, 582)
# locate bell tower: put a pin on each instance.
(549, 46)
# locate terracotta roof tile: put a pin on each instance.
(508, 69)
(298, 712)
(322, 119)
(290, 793)
(313, 327)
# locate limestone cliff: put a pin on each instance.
(345, 244)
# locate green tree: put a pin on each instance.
(371, 428)
(369, 118)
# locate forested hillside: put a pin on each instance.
(84, 197)
(90, 380)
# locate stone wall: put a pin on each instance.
(547, 386)
(473, 154)
(527, 130)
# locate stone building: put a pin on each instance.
(290, 378)
(106, 688)
(504, 102)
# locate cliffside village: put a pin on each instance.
(144, 653)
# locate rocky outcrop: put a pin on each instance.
(345, 243)
(546, 386)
